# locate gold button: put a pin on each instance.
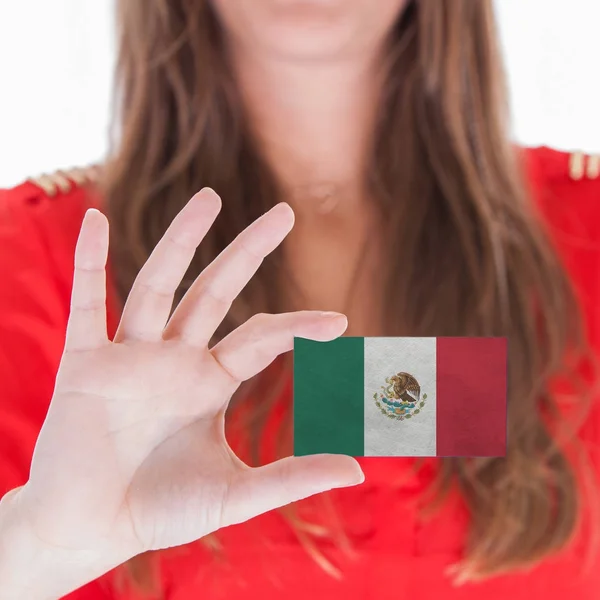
(577, 165)
(46, 183)
(593, 166)
(65, 181)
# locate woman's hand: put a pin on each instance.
(132, 456)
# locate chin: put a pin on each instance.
(307, 29)
(309, 41)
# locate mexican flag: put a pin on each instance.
(400, 396)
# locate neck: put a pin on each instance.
(313, 121)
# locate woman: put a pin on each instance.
(384, 135)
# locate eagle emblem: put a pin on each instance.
(401, 397)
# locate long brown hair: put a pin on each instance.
(468, 254)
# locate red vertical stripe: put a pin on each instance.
(471, 396)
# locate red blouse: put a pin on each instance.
(396, 553)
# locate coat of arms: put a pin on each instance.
(401, 398)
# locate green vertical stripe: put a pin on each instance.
(329, 396)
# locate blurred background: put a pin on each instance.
(57, 56)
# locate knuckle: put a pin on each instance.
(245, 243)
(259, 320)
(89, 306)
(207, 290)
(286, 471)
(180, 242)
(154, 287)
(232, 376)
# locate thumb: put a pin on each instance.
(256, 491)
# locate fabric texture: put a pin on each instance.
(397, 553)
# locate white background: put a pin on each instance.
(56, 60)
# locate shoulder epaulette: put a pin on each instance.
(66, 180)
(584, 166)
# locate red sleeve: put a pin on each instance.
(33, 315)
(567, 187)
(569, 199)
(35, 275)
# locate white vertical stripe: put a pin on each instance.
(385, 357)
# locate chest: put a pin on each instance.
(337, 267)
(389, 552)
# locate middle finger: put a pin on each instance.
(209, 298)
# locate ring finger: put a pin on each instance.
(151, 298)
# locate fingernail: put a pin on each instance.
(331, 315)
(207, 190)
(207, 194)
(351, 483)
(89, 213)
(356, 480)
(360, 477)
(286, 208)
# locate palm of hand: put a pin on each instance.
(151, 436)
(132, 455)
